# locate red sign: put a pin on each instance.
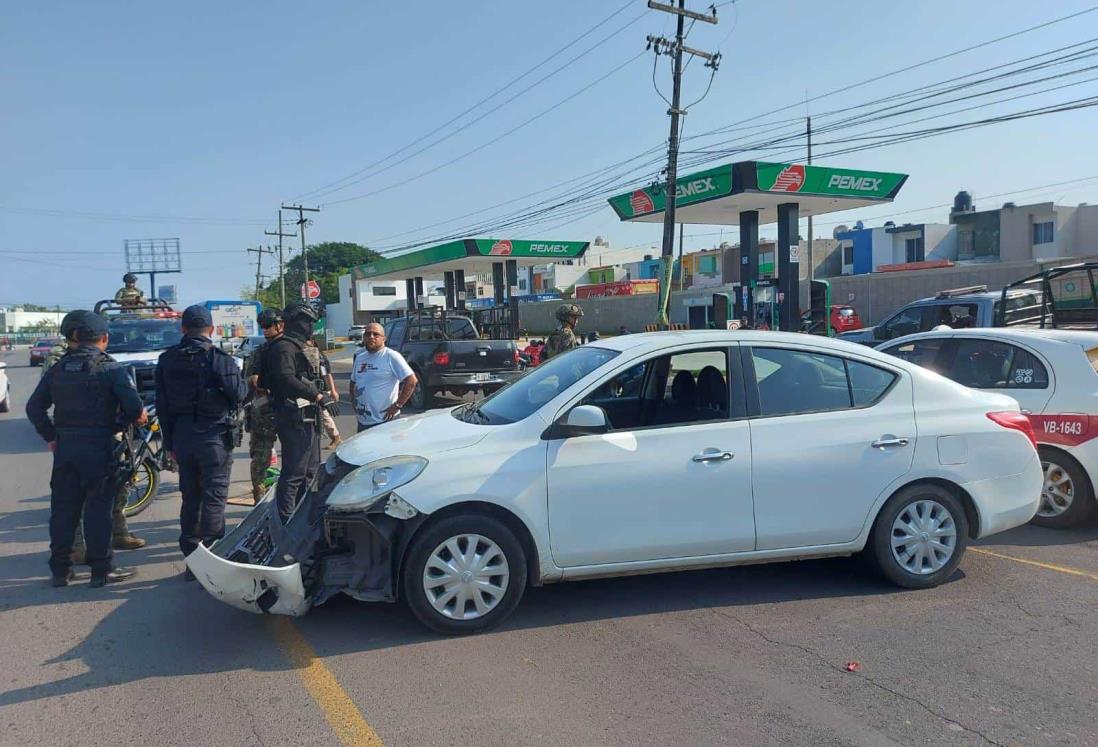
(641, 202)
(790, 179)
(501, 248)
(618, 288)
(310, 290)
(1064, 430)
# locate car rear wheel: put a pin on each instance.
(423, 397)
(1066, 498)
(464, 574)
(919, 536)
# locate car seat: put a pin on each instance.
(712, 392)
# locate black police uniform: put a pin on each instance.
(287, 374)
(198, 389)
(87, 390)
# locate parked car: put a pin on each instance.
(845, 319)
(1053, 374)
(5, 389)
(642, 453)
(961, 308)
(448, 354)
(354, 332)
(41, 348)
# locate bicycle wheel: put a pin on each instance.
(142, 487)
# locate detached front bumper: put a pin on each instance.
(264, 567)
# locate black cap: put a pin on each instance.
(197, 317)
(72, 321)
(84, 326)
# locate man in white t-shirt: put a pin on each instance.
(381, 382)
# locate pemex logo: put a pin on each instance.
(641, 202)
(789, 179)
(501, 248)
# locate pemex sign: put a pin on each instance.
(699, 187)
(823, 180)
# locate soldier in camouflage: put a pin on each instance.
(323, 367)
(129, 294)
(564, 339)
(261, 422)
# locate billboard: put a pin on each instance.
(234, 319)
(167, 293)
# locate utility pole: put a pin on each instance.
(301, 230)
(674, 49)
(259, 252)
(811, 259)
(281, 264)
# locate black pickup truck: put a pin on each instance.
(447, 354)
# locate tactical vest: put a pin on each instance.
(189, 386)
(81, 395)
(303, 368)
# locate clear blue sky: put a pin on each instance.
(217, 111)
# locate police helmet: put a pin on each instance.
(73, 321)
(299, 310)
(83, 325)
(567, 311)
(129, 277)
(269, 317)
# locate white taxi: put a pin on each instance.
(1053, 374)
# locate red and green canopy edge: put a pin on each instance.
(471, 255)
(759, 185)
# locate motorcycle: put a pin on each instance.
(141, 458)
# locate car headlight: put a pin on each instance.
(368, 483)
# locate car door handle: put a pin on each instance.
(712, 455)
(886, 443)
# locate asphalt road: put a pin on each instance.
(1003, 654)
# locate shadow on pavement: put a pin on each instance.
(1034, 536)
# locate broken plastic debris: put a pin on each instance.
(853, 666)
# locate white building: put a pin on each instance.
(372, 301)
(15, 319)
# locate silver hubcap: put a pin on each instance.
(1058, 492)
(924, 537)
(466, 577)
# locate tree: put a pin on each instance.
(327, 261)
(34, 307)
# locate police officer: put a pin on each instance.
(261, 422)
(129, 294)
(198, 390)
(564, 339)
(121, 539)
(87, 389)
(288, 376)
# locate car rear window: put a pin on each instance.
(1092, 356)
(846, 312)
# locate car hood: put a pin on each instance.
(419, 435)
(149, 356)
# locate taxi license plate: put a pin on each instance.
(482, 376)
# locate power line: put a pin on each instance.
(361, 175)
(130, 218)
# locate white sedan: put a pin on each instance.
(1053, 374)
(647, 452)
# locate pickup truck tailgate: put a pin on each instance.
(482, 355)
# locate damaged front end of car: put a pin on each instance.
(345, 536)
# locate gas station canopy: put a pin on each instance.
(717, 196)
(470, 256)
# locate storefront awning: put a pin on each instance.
(470, 255)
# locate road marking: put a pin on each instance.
(1046, 566)
(343, 716)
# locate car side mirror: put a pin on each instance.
(583, 420)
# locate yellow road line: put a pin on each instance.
(1046, 566)
(340, 711)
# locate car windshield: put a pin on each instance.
(143, 335)
(519, 400)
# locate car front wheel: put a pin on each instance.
(1065, 497)
(464, 574)
(919, 536)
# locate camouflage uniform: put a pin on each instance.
(127, 296)
(561, 341)
(327, 422)
(261, 429)
(54, 355)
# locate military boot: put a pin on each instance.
(127, 542)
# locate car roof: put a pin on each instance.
(1032, 335)
(978, 296)
(656, 340)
